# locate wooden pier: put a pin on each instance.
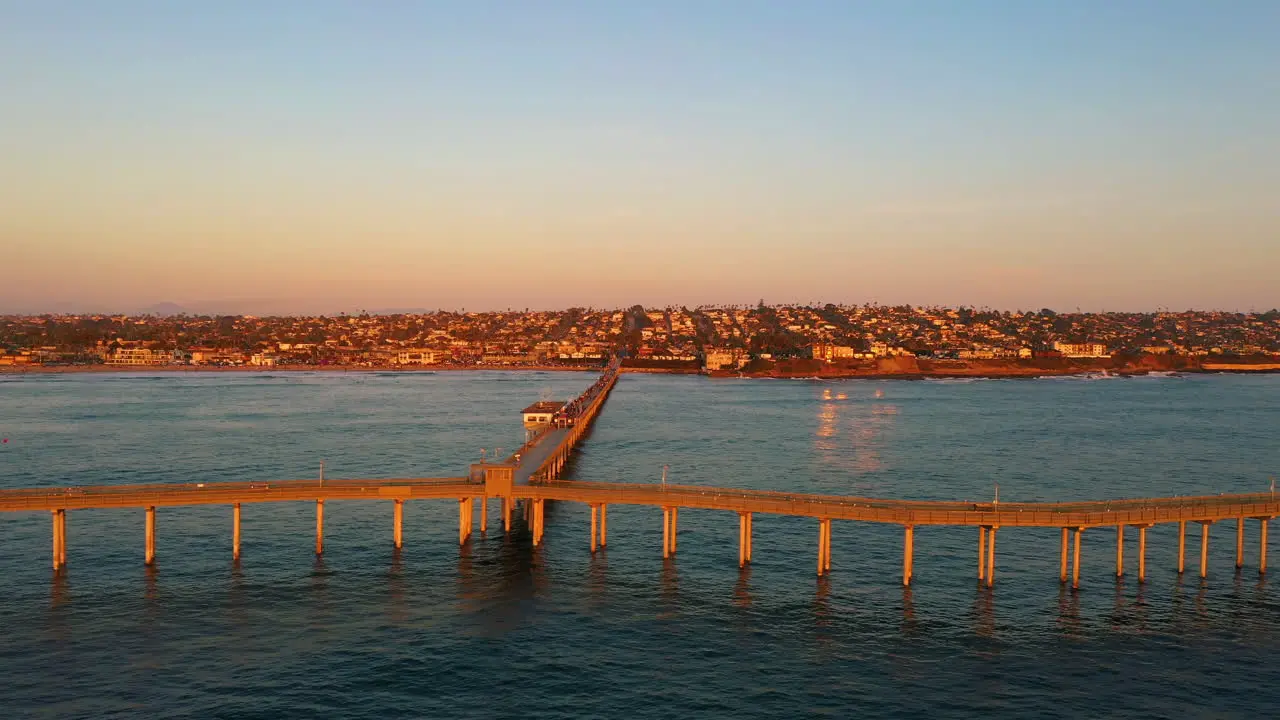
(1073, 518)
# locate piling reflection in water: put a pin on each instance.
(670, 588)
(984, 616)
(1069, 612)
(909, 624)
(742, 588)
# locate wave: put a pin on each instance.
(1085, 377)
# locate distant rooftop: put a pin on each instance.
(545, 406)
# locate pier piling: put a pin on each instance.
(982, 553)
(824, 546)
(1262, 546)
(1120, 551)
(1204, 549)
(991, 556)
(1075, 560)
(742, 540)
(235, 531)
(604, 524)
(1239, 542)
(675, 528)
(319, 527)
(59, 538)
(666, 533)
(908, 553)
(1062, 559)
(151, 535)
(1182, 546)
(670, 524)
(397, 532)
(1142, 553)
(595, 524)
(537, 514)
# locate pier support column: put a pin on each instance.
(1262, 546)
(1075, 560)
(397, 522)
(991, 557)
(319, 527)
(670, 526)
(539, 519)
(1142, 553)
(462, 521)
(828, 544)
(151, 535)
(824, 546)
(742, 541)
(1119, 551)
(1204, 548)
(235, 531)
(506, 514)
(595, 524)
(604, 524)
(58, 539)
(1062, 560)
(1182, 546)
(1239, 542)
(908, 553)
(750, 534)
(982, 553)
(484, 514)
(675, 525)
(666, 533)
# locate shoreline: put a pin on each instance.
(978, 373)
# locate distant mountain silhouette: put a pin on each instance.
(164, 309)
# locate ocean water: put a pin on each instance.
(499, 629)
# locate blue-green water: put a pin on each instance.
(497, 629)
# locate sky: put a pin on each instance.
(317, 156)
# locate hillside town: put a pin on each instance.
(711, 338)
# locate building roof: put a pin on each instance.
(544, 406)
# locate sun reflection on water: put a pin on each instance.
(852, 434)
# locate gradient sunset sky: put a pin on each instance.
(279, 157)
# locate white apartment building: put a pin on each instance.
(1081, 350)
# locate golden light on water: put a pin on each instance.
(852, 435)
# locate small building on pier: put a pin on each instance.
(541, 412)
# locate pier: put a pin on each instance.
(1074, 519)
(531, 476)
